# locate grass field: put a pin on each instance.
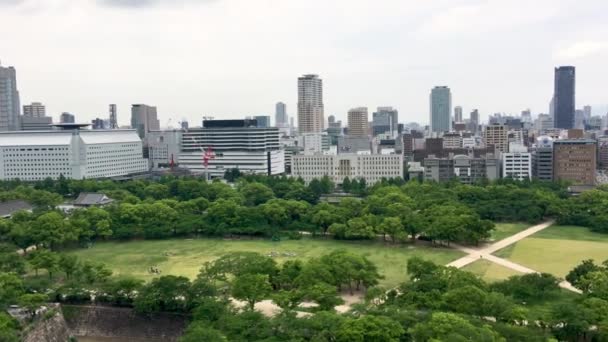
(185, 257)
(558, 249)
(490, 271)
(504, 230)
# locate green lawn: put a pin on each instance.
(185, 257)
(490, 271)
(504, 230)
(558, 249)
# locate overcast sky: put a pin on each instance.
(231, 58)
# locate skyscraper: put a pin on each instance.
(458, 114)
(113, 117)
(144, 119)
(67, 118)
(441, 106)
(385, 120)
(280, 116)
(357, 122)
(34, 110)
(564, 97)
(10, 106)
(587, 110)
(311, 118)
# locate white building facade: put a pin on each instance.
(517, 163)
(372, 167)
(233, 144)
(75, 154)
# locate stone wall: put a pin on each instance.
(48, 329)
(100, 321)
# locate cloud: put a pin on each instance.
(146, 3)
(10, 2)
(581, 49)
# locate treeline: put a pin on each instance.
(281, 206)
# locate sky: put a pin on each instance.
(233, 58)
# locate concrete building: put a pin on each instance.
(372, 167)
(113, 111)
(441, 107)
(458, 114)
(99, 123)
(263, 121)
(232, 144)
(67, 118)
(542, 159)
(163, 148)
(575, 160)
(466, 169)
(71, 152)
(34, 110)
(385, 120)
(358, 122)
(10, 105)
(314, 143)
(564, 97)
(311, 117)
(35, 123)
(517, 163)
(359, 145)
(497, 136)
(452, 140)
(587, 111)
(280, 115)
(144, 119)
(543, 123)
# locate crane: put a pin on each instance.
(208, 155)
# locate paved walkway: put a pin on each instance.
(485, 252)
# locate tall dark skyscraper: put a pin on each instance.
(564, 97)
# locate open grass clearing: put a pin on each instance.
(504, 230)
(490, 271)
(185, 257)
(558, 249)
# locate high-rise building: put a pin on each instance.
(34, 110)
(542, 159)
(587, 111)
(357, 122)
(67, 118)
(458, 114)
(262, 121)
(517, 163)
(543, 123)
(575, 160)
(474, 121)
(99, 123)
(441, 107)
(526, 115)
(280, 116)
(564, 97)
(33, 123)
(497, 136)
(144, 119)
(385, 120)
(331, 120)
(311, 118)
(113, 117)
(10, 106)
(184, 124)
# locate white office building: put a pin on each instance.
(313, 143)
(517, 163)
(232, 144)
(73, 153)
(371, 167)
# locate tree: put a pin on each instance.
(44, 259)
(164, 294)
(11, 288)
(51, 230)
(200, 331)
(32, 302)
(369, 329)
(256, 193)
(122, 292)
(529, 287)
(238, 264)
(346, 185)
(9, 328)
(325, 295)
(251, 288)
(68, 264)
(393, 227)
(450, 327)
(581, 270)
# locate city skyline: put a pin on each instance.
(198, 74)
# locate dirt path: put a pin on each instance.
(474, 254)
